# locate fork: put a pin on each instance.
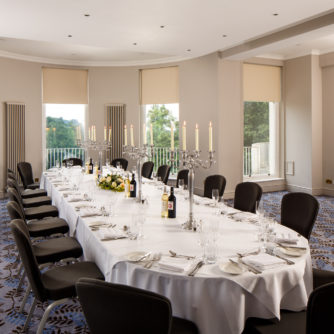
(156, 257)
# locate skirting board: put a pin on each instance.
(312, 191)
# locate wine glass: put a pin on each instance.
(181, 184)
(215, 196)
(118, 165)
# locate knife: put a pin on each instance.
(197, 267)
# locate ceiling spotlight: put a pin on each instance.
(162, 27)
(224, 36)
(134, 43)
(188, 50)
(87, 15)
(69, 36)
(275, 14)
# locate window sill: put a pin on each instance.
(262, 178)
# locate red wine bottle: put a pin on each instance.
(171, 204)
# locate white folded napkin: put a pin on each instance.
(244, 216)
(54, 169)
(62, 188)
(110, 234)
(75, 198)
(263, 261)
(287, 238)
(175, 264)
(90, 212)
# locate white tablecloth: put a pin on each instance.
(217, 302)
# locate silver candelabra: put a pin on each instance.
(94, 145)
(191, 160)
(139, 154)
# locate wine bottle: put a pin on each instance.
(133, 186)
(171, 204)
(90, 166)
(164, 203)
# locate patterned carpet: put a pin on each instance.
(68, 318)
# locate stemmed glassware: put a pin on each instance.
(215, 196)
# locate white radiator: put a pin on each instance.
(15, 135)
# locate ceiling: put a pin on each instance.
(132, 32)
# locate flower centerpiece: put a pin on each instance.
(112, 182)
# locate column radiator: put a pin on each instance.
(15, 135)
(115, 117)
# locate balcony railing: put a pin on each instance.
(161, 156)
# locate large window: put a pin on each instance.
(262, 93)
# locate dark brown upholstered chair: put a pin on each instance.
(37, 212)
(163, 172)
(214, 182)
(299, 212)
(128, 310)
(318, 318)
(26, 175)
(247, 195)
(25, 193)
(76, 161)
(147, 169)
(182, 175)
(122, 161)
(55, 284)
(38, 228)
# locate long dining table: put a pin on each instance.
(217, 300)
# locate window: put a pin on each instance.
(262, 93)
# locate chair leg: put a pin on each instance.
(24, 300)
(47, 312)
(31, 311)
(20, 270)
(21, 282)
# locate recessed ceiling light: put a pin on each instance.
(188, 50)
(69, 36)
(224, 36)
(134, 43)
(162, 27)
(87, 15)
(275, 14)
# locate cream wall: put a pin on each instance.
(20, 81)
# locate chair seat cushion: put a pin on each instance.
(40, 212)
(59, 282)
(36, 201)
(33, 185)
(183, 326)
(53, 250)
(290, 323)
(28, 193)
(47, 226)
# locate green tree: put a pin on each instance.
(256, 122)
(60, 133)
(161, 118)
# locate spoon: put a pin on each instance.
(173, 254)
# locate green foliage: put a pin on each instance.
(160, 118)
(256, 122)
(60, 133)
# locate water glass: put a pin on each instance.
(215, 196)
(181, 183)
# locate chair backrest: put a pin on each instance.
(122, 161)
(214, 182)
(124, 309)
(15, 196)
(163, 171)
(13, 184)
(25, 172)
(11, 176)
(147, 169)
(10, 171)
(182, 175)
(76, 161)
(299, 212)
(23, 243)
(247, 194)
(14, 211)
(319, 317)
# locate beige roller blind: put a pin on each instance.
(160, 85)
(262, 83)
(65, 86)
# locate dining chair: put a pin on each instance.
(25, 193)
(246, 196)
(182, 175)
(214, 182)
(299, 212)
(122, 161)
(163, 172)
(147, 169)
(25, 170)
(128, 310)
(76, 161)
(37, 212)
(56, 284)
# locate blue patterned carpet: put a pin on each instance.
(68, 318)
